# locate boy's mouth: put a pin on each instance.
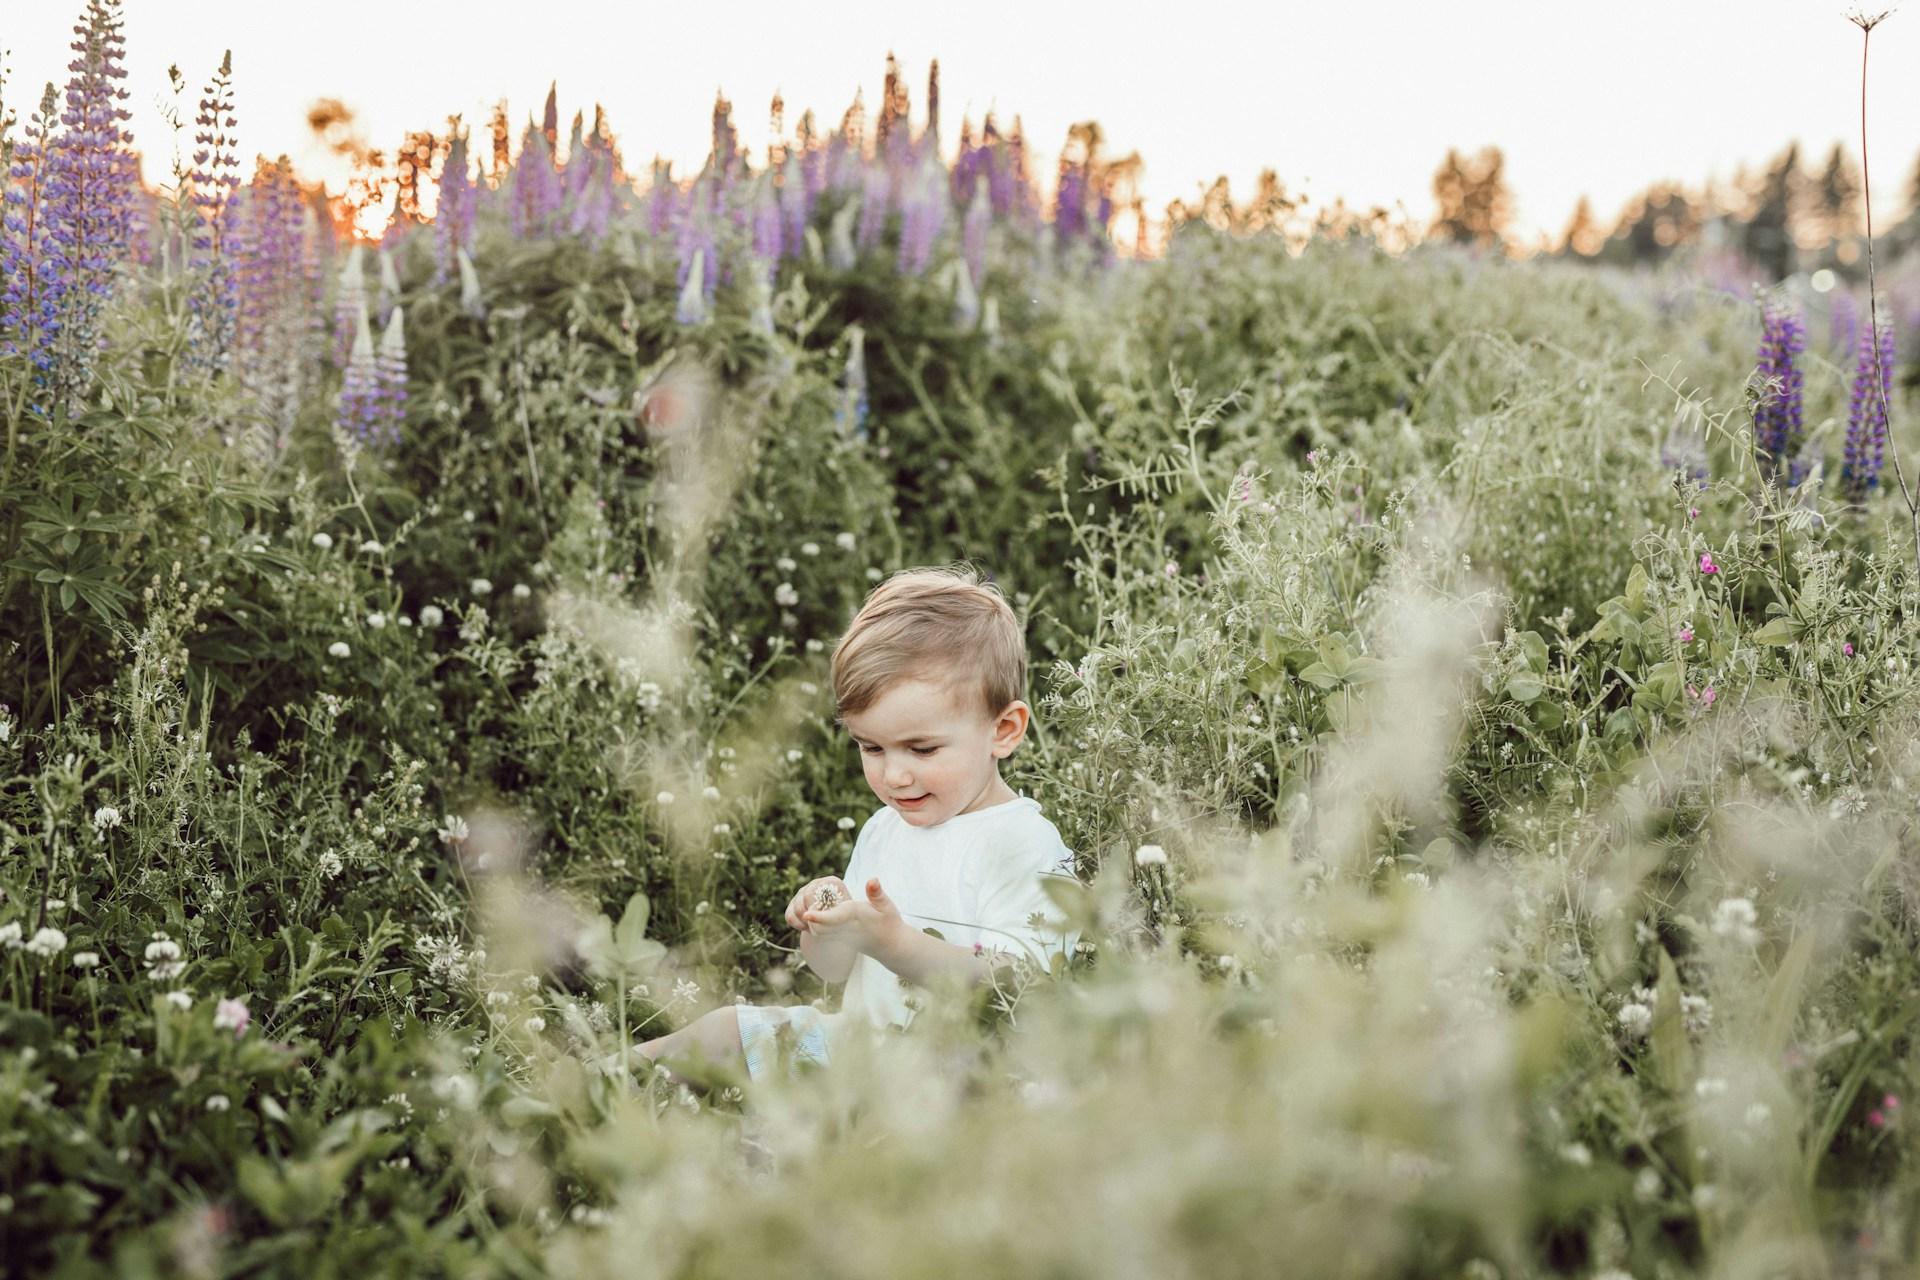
(914, 803)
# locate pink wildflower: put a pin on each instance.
(1707, 696)
(233, 1015)
(1847, 649)
(1693, 513)
(1877, 1118)
(1686, 635)
(1706, 563)
(1891, 1102)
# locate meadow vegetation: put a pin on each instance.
(1493, 778)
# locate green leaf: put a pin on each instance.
(1780, 631)
(1320, 676)
(1525, 687)
(1074, 899)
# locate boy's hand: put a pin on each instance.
(864, 925)
(809, 897)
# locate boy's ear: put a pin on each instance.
(1011, 728)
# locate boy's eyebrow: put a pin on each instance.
(905, 742)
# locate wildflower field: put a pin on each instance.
(1480, 696)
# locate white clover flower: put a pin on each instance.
(722, 829)
(10, 934)
(1705, 1196)
(809, 688)
(180, 1000)
(372, 548)
(1734, 918)
(1709, 1087)
(536, 1024)
(47, 941)
(430, 615)
(795, 755)
(710, 793)
(104, 817)
(322, 540)
(786, 564)
(1646, 1184)
(521, 591)
(1577, 1153)
(1149, 855)
(459, 1089)
(844, 541)
(218, 1102)
(809, 548)
(1696, 1013)
(873, 574)
(702, 907)
(815, 646)
(664, 798)
(499, 997)
(330, 864)
(403, 620)
(163, 958)
(1418, 879)
(339, 649)
(846, 824)
(376, 621)
(480, 587)
(685, 989)
(785, 595)
(86, 959)
(453, 829)
(1636, 1018)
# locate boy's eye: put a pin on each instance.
(919, 751)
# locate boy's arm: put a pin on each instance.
(833, 961)
(921, 959)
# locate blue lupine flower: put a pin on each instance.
(212, 297)
(1779, 432)
(1867, 415)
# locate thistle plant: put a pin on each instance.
(1867, 416)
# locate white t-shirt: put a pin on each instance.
(975, 877)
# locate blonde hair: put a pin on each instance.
(948, 626)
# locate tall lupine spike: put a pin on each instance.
(692, 306)
(536, 192)
(663, 199)
(760, 295)
(695, 239)
(932, 133)
(973, 234)
(390, 364)
(923, 217)
(212, 299)
(851, 417)
(1779, 429)
(26, 308)
(550, 118)
(1867, 415)
(471, 301)
(767, 235)
(359, 408)
(795, 205)
(873, 208)
(92, 175)
(454, 214)
(275, 269)
(349, 301)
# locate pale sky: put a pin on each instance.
(1349, 99)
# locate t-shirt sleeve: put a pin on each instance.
(1010, 891)
(856, 863)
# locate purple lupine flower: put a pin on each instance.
(212, 300)
(349, 303)
(471, 300)
(726, 144)
(767, 235)
(796, 206)
(1867, 416)
(91, 177)
(278, 285)
(663, 199)
(359, 409)
(453, 215)
(923, 214)
(26, 309)
(1778, 427)
(873, 208)
(536, 192)
(1069, 203)
(389, 296)
(695, 239)
(390, 380)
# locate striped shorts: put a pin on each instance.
(773, 1035)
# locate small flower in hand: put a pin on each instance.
(825, 898)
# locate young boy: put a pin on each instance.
(928, 681)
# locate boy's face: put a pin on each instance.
(929, 759)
